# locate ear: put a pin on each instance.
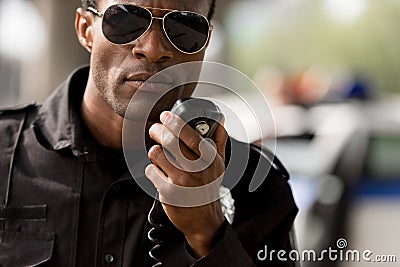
(84, 28)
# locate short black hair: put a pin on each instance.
(92, 3)
(89, 3)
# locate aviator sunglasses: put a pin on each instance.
(187, 31)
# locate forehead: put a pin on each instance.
(200, 6)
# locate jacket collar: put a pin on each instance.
(59, 124)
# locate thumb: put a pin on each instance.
(220, 138)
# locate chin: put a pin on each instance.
(119, 108)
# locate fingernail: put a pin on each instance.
(165, 117)
(152, 128)
(148, 171)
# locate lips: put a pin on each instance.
(147, 82)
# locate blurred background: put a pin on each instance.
(330, 71)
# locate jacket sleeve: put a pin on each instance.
(228, 252)
(255, 241)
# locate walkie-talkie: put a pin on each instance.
(203, 116)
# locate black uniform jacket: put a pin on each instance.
(67, 201)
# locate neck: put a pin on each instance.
(103, 123)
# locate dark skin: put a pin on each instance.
(116, 72)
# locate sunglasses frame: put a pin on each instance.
(210, 27)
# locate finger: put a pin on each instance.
(202, 147)
(157, 155)
(173, 174)
(186, 159)
(168, 140)
(220, 138)
(187, 134)
(182, 196)
(156, 176)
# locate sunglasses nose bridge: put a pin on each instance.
(162, 28)
(153, 45)
(154, 19)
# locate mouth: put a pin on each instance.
(147, 82)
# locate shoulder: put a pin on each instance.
(14, 115)
(12, 123)
(269, 157)
(263, 185)
(256, 163)
(17, 109)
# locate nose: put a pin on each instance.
(153, 46)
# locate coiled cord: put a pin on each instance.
(152, 235)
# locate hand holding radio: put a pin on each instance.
(180, 136)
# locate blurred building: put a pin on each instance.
(38, 48)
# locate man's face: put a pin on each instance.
(118, 70)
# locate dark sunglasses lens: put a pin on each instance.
(187, 31)
(124, 23)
